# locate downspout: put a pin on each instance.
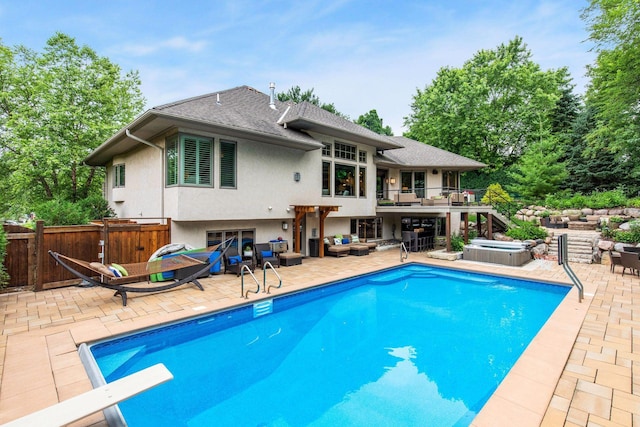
(150, 144)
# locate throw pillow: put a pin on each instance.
(339, 236)
(103, 269)
(115, 271)
(267, 254)
(121, 269)
(355, 238)
(337, 241)
(345, 240)
(235, 259)
(326, 241)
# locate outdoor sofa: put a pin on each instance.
(343, 245)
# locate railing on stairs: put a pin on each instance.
(563, 259)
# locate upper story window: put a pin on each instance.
(227, 164)
(326, 150)
(118, 176)
(362, 156)
(189, 160)
(345, 151)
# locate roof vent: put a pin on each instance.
(272, 95)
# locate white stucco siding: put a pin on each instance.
(142, 194)
(265, 186)
(195, 233)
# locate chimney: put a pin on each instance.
(272, 95)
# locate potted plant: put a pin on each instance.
(247, 251)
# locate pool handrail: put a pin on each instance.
(404, 253)
(242, 293)
(563, 259)
(264, 277)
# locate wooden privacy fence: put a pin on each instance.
(120, 240)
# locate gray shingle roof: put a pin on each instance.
(241, 112)
(419, 154)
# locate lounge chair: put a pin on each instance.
(233, 262)
(630, 260)
(264, 254)
(109, 280)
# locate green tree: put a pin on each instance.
(615, 77)
(595, 171)
(373, 122)
(539, 171)
(296, 95)
(55, 108)
(489, 109)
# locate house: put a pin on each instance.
(241, 163)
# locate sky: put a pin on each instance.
(359, 55)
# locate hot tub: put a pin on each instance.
(512, 256)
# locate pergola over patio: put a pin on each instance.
(301, 211)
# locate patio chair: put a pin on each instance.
(233, 262)
(630, 260)
(265, 254)
(615, 260)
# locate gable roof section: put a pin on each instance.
(241, 112)
(308, 117)
(419, 154)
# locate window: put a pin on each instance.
(419, 184)
(326, 178)
(345, 151)
(197, 156)
(326, 150)
(118, 176)
(405, 182)
(362, 156)
(189, 160)
(244, 237)
(171, 153)
(344, 180)
(449, 181)
(367, 228)
(362, 182)
(227, 164)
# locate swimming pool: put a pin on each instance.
(413, 345)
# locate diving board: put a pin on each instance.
(95, 400)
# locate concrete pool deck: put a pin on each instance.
(582, 369)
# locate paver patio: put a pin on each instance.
(582, 369)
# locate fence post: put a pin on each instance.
(105, 237)
(40, 255)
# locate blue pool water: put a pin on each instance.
(408, 346)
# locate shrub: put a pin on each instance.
(457, 243)
(628, 236)
(527, 231)
(61, 212)
(606, 199)
(634, 203)
(96, 207)
(495, 195)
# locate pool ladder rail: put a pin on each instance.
(267, 265)
(563, 259)
(404, 253)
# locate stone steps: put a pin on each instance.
(580, 247)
